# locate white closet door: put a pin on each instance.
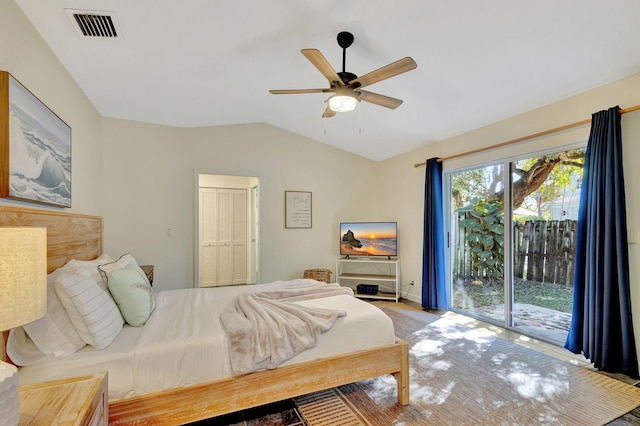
(208, 237)
(223, 248)
(225, 237)
(239, 238)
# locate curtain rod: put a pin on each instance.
(524, 138)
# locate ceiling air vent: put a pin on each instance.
(95, 24)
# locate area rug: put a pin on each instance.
(467, 376)
(461, 376)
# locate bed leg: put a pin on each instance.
(402, 376)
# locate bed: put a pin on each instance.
(76, 236)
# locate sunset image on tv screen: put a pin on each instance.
(368, 239)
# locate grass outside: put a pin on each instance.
(469, 294)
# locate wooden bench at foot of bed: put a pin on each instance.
(202, 401)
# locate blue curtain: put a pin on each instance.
(434, 294)
(601, 327)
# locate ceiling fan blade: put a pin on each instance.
(295, 91)
(319, 61)
(328, 112)
(378, 99)
(388, 71)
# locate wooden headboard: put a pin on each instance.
(69, 236)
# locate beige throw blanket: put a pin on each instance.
(265, 328)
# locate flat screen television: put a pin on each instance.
(368, 239)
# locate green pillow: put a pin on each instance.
(133, 294)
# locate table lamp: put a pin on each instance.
(23, 299)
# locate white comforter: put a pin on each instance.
(185, 343)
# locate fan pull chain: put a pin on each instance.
(324, 120)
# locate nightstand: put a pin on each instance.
(148, 269)
(75, 401)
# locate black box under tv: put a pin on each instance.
(367, 289)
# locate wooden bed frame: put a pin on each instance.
(77, 236)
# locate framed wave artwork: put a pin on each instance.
(35, 148)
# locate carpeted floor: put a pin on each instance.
(462, 376)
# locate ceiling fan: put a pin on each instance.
(346, 86)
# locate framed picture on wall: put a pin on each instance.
(35, 148)
(297, 209)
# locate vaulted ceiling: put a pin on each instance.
(194, 63)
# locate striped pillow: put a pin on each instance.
(92, 311)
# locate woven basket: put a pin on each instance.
(323, 275)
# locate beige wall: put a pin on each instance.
(149, 175)
(141, 177)
(399, 172)
(27, 57)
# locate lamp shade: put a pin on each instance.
(23, 275)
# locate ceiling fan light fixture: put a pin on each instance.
(342, 103)
(346, 86)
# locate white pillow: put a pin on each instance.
(21, 349)
(92, 311)
(133, 294)
(54, 334)
(89, 268)
(121, 263)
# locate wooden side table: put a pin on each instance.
(148, 270)
(75, 401)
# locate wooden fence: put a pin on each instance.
(543, 251)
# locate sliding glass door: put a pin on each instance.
(477, 245)
(514, 266)
(545, 200)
